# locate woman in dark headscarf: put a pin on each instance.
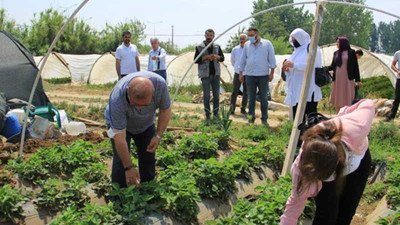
(345, 72)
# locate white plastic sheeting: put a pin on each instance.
(80, 66)
(177, 68)
(56, 67)
(103, 70)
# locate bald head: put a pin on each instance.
(140, 91)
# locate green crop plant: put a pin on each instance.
(213, 180)
(88, 215)
(57, 194)
(198, 146)
(11, 201)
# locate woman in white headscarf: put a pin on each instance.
(295, 67)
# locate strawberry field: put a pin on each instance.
(221, 173)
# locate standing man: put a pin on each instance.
(130, 114)
(257, 66)
(210, 71)
(235, 60)
(157, 59)
(127, 56)
(395, 107)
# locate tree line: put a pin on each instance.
(339, 20)
(78, 37)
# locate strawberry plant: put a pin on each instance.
(393, 219)
(180, 193)
(34, 169)
(268, 206)
(89, 214)
(198, 146)
(11, 201)
(57, 194)
(133, 203)
(95, 173)
(213, 180)
(167, 157)
(222, 139)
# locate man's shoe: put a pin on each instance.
(388, 118)
(265, 123)
(251, 120)
(243, 111)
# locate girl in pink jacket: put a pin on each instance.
(333, 165)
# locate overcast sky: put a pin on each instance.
(190, 18)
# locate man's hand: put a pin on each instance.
(360, 84)
(153, 145)
(154, 57)
(132, 177)
(241, 77)
(270, 77)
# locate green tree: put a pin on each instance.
(78, 38)
(374, 39)
(111, 36)
(352, 22)
(280, 23)
(234, 41)
(9, 25)
(169, 48)
(389, 36)
(43, 30)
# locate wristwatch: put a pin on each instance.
(158, 137)
(129, 167)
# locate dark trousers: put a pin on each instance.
(235, 93)
(260, 82)
(396, 100)
(310, 107)
(162, 73)
(213, 82)
(339, 210)
(147, 161)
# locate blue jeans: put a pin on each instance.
(162, 73)
(206, 82)
(262, 83)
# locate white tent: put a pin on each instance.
(56, 67)
(80, 66)
(103, 70)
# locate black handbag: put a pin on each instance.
(311, 120)
(322, 76)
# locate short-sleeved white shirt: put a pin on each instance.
(127, 55)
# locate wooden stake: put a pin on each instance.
(294, 137)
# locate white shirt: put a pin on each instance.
(235, 57)
(352, 163)
(161, 53)
(127, 55)
(396, 58)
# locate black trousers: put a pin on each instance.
(310, 107)
(339, 210)
(396, 100)
(147, 161)
(235, 93)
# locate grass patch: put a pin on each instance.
(64, 80)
